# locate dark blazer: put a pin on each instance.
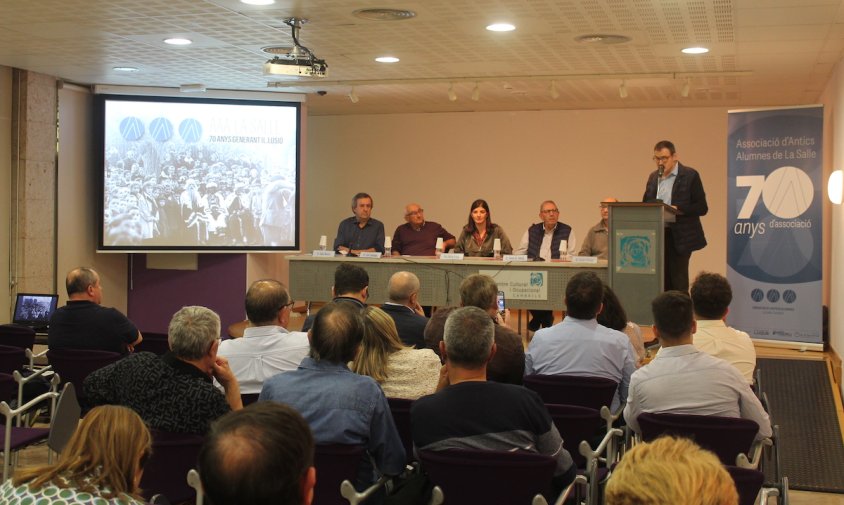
(690, 199)
(411, 326)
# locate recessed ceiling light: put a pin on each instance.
(177, 41)
(386, 59)
(501, 27)
(257, 2)
(695, 50)
(125, 69)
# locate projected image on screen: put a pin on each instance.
(199, 175)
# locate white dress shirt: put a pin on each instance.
(684, 380)
(583, 347)
(262, 352)
(733, 346)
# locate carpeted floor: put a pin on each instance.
(801, 402)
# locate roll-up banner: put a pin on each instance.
(774, 209)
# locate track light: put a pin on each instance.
(353, 97)
(684, 91)
(476, 93)
(622, 89)
(452, 95)
(553, 90)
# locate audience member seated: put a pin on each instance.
(85, 324)
(102, 463)
(542, 240)
(173, 392)
(360, 233)
(684, 380)
(267, 348)
(418, 237)
(351, 285)
(341, 406)
(596, 243)
(261, 455)
(403, 306)
(477, 238)
(614, 317)
(670, 471)
(711, 297)
(472, 413)
(579, 345)
(508, 364)
(402, 372)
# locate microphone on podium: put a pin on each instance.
(660, 170)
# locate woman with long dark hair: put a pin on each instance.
(478, 236)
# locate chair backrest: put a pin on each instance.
(155, 343)
(73, 365)
(335, 463)
(16, 335)
(400, 408)
(173, 455)
(748, 483)
(576, 424)
(584, 391)
(8, 388)
(12, 358)
(477, 476)
(65, 419)
(727, 437)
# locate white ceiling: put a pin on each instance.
(763, 52)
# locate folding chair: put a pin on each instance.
(584, 391)
(173, 455)
(74, 365)
(17, 437)
(470, 476)
(748, 483)
(155, 343)
(16, 335)
(337, 467)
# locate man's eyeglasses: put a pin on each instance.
(288, 305)
(414, 213)
(662, 158)
(551, 211)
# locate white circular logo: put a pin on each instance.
(788, 192)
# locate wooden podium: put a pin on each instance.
(637, 254)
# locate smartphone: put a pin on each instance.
(501, 305)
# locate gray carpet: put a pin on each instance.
(811, 449)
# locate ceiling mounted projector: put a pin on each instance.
(299, 62)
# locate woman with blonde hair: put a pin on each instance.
(669, 471)
(102, 463)
(403, 372)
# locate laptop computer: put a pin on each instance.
(35, 310)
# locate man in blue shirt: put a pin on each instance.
(340, 406)
(579, 345)
(360, 233)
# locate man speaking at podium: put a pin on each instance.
(680, 187)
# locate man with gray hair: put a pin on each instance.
(173, 392)
(403, 306)
(266, 348)
(473, 413)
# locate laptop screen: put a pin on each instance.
(34, 309)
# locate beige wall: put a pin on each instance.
(833, 98)
(5, 189)
(512, 159)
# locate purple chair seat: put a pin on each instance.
(335, 463)
(727, 437)
(22, 437)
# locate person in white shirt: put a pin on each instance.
(266, 348)
(711, 296)
(685, 380)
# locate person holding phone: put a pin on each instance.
(478, 236)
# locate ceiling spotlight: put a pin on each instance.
(192, 88)
(476, 93)
(553, 90)
(178, 41)
(695, 50)
(684, 91)
(452, 95)
(622, 89)
(353, 97)
(126, 69)
(387, 59)
(257, 2)
(501, 27)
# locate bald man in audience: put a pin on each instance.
(403, 306)
(508, 364)
(596, 242)
(267, 347)
(418, 237)
(85, 324)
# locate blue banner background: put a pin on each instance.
(774, 212)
